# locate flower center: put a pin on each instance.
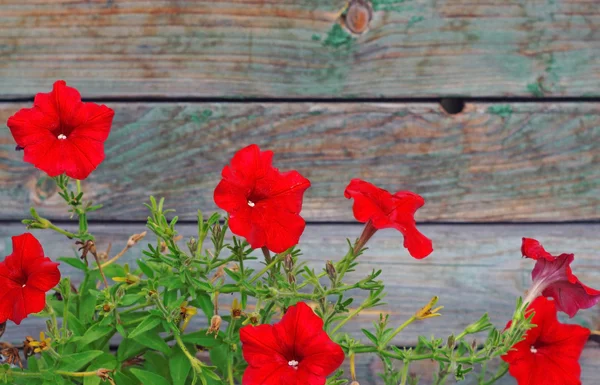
(62, 136)
(533, 349)
(24, 285)
(252, 204)
(293, 364)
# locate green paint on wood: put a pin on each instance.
(535, 89)
(386, 5)
(414, 20)
(202, 117)
(503, 110)
(338, 38)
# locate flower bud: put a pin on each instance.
(451, 341)
(291, 278)
(288, 263)
(135, 238)
(331, 271)
(215, 325)
(192, 245)
(479, 326)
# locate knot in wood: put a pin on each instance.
(358, 16)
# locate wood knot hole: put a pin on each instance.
(453, 106)
(358, 16)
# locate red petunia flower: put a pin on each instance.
(25, 277)
(61, 134)
(263, 203)
(382, 210)
(295, 350)
(552, 277)
(549, 354)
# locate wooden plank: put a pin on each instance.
(295, 48)
(513, 162)
(474, 269)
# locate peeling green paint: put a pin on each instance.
(202, 118)
(535, 89)
(386, 5)
(414, 20)
(338, 38)
(503, 110)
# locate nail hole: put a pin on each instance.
(453, 106)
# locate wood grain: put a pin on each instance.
(474, 268)
(295, 48)
(492, 162)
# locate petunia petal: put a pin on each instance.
(550, 353)
(260, 346)
(27, 250)
(44, 275)
(296, 329)
(263, 204)
(552, 277)
(271, 374)
(321, 355)
(384, 210)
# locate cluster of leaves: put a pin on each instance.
(146, 310)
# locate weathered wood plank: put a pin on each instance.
(474, 269)
(514, 162)
(294, 48)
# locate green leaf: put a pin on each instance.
(75, 262)
(158, 364)
(180, 366)
(145, 269)
(130, 299)
(201, 338)
(76, 361)
(147, 324)
(128, 348)
(122, 378)
(154, 341)
(105, 361)
(87, 306)
(218, 357)
(149, 378)
(370, 336)
(75, 325)
(204, 302)
(96, 332)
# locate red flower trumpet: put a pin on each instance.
(263, 203)
(379, 209)
(25, 277)
(294, 351)
(549, 354)
(61, 134)
(552, 277)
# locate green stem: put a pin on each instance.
(137, 307)
(404, 373)
(499, 374)
(83, 225)
(66, 233)
(399, 329)
(350, 316)
(230, 329)
(264, 270)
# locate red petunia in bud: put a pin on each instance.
(549, 354)
(61, 134)
(379, 209)
(263, 203)
(295, 350)
(25, 277)
(552, 277)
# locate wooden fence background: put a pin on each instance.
(191, 81)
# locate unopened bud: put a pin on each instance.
(481, 325)
(288, 262)
(451, 341)
(193, 245)
(135, 238)
(331, 271)
(291, 278)
(474, 344)
(215, 325)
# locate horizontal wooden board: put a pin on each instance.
(295, 48)
(474, 268)
(492, 162)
